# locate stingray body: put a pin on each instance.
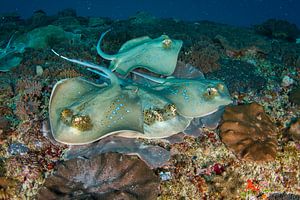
(8, 58)
(161, 118)
(82, 112)
(196, 97)
(158, 55)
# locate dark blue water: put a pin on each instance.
(236, 12)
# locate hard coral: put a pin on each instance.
(227, 185)
(68, 73)
(106, 176)
(28, 102)
(29, 87)
(6, 92)
(7, 188)
(248, 132)
(203, 55)
(239, 76)
(27, 109)
(24, 168)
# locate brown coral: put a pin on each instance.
(29, 87)
(7, 188)
(26, 167)
(227, 185)
(294, 130)
(105, 176)
(28, 100)
(68, 73)
(204, 54)
(26, 110)
(248, 132)
(6, 92)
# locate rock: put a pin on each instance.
(283, 196)
(294, 96)
(39, 70)
(47, 36)
(248, 131)
(69, 22)
(239, 76)
(278, 29)
(96, 21)
(38, 19)
(287, 81)
(105, 176)
(142, 18)
(17, 149)
(4, 124)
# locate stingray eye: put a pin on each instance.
(166, 43)
(210, 93)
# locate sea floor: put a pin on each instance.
(255, 67)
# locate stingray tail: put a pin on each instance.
(151, 78)
(99, 50)
(111, 76)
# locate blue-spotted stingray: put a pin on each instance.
(196, 97)
(82, 112)
(8, 59)
(158, 55)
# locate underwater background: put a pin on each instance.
(234, 12)
(150, 100)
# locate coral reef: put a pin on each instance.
(44, 37)
(228, 185)
(279, 29)
(105, 176)
(238, 76)
(190, 167)
(28, 100)
(248, 131)
(204, 55)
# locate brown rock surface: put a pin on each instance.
(249, 133)
(294, 96)
(294, 130)
(105, 176)
(4, 123)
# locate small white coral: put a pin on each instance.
(287, 81)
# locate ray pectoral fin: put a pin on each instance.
(82, 112)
